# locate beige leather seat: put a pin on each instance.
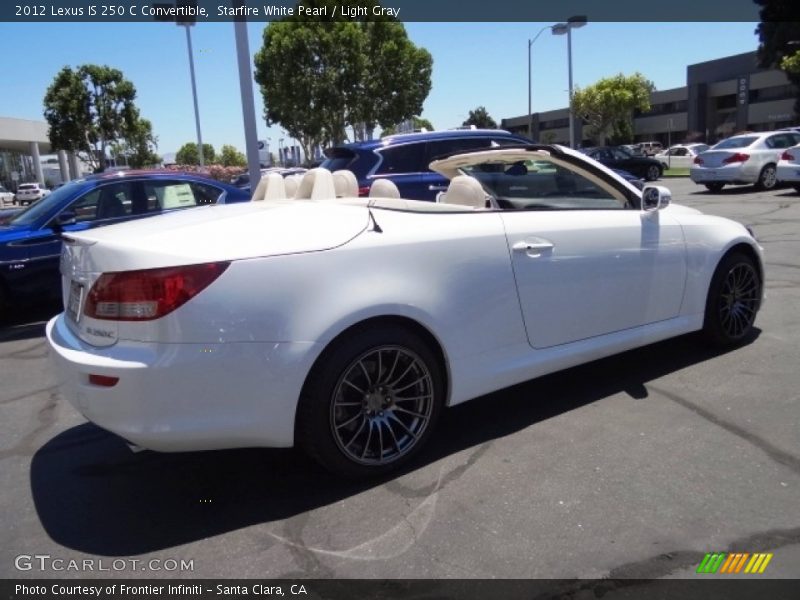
(383, 188)
(465, 191)
(316, 184)
(291, 183)
(345, 184)
(270, 187)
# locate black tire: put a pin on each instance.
(715, 187)
(767, 179)
(652, 173)
(796, 187)
(354, 390)
(734, 298)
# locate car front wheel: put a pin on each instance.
(652, 173)
(371, 402)
(733, 300)
(767, 179)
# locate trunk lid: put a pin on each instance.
(214, 233)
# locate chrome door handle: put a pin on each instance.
(533, 248)
(437, 188)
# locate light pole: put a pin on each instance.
(530, 84)
(188, 24)
(561, 29)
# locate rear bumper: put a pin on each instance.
(181, 397)
(725, 174)
(790, 173)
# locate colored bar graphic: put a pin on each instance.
(734, 562)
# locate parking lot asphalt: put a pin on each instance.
(634, 466)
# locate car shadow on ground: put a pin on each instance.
(94, 495)
(28, 323)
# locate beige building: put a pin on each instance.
(721, 97)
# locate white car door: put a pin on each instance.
(587, 265)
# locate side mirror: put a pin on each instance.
(655, 197)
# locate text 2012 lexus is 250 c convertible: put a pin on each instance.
(345, 325)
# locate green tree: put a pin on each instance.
(778, 29)
(140, 145)
(187, 155)
(318, 77)
(88, 109)
(481, 119)
(418, 123)
(607, 106)
(231, 157)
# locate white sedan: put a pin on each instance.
(680, 156)
(789, 167)
(345, 325)
(742, 159)
(6, 197)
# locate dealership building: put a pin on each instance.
(22, 144)
(721, 97)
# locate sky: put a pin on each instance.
(474, 64)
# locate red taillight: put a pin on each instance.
(148, 294)
(698, 160)
(787, 156)
(363, 190)
(738, 157)
(103, 380)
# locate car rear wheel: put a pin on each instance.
(715, 187)
(652, 173)
(733, 300)
(767, 179)
(371, 402)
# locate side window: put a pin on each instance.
(402, 159)
(106, 202)
(619, 154)
(205, 193)
(441, 147)
(170, 195)
(680, 152)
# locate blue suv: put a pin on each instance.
(404, 158)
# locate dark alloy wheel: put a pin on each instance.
(715, 187)
(652, 173)
(370, 402)
(768, 178)
(733, 300)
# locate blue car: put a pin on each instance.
(404, 158)
(30, 239)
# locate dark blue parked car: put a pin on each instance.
(30, 239)
(404, 158)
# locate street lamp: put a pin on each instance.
(188, 23)
(561, 29)
(530, 43)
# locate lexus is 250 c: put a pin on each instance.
(345, 325)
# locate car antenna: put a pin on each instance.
(376, 228)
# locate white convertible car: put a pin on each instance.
(345, 325)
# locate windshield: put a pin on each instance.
(541, 185)
(42, 207)
(736, 142)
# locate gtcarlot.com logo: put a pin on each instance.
(734, 562)
(46, 562)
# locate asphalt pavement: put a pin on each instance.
(634, 466)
